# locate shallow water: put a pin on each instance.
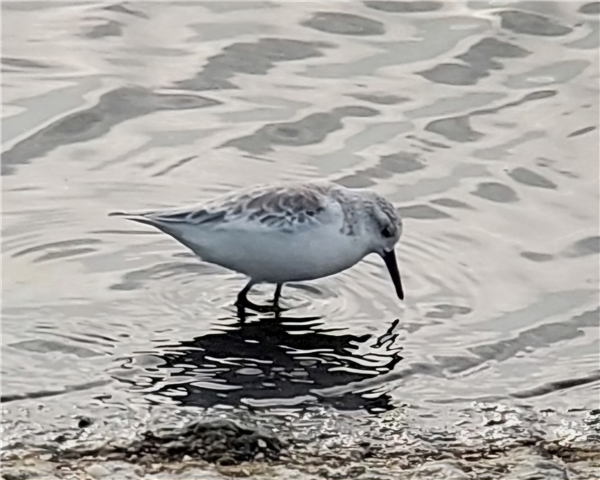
(479, 120)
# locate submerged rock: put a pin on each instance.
(224, 442)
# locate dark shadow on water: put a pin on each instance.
(266, 362)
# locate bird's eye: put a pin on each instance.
(386, 232)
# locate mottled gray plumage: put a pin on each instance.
(285, 206)
(288, 232)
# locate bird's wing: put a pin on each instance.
(283, 207)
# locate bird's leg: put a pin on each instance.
(276, 307)
(277, 294)
(242, 300)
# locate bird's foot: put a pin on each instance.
(245, 303)
(278, 309)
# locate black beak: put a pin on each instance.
(390, 262)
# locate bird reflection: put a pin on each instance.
(274, 362)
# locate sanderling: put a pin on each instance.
(285, 233)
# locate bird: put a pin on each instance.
(287, 232)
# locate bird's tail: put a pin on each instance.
(119, 214)
(139, 217)
(169, 228)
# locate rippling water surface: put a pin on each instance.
(479, 120)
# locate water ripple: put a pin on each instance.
(479, 121)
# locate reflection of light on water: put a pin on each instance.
(464, 26)
(472, 301)
(500, 3)
(541, 80)
(270, 362)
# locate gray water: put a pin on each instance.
(478, 120)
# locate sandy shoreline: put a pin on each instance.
(493, 442)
